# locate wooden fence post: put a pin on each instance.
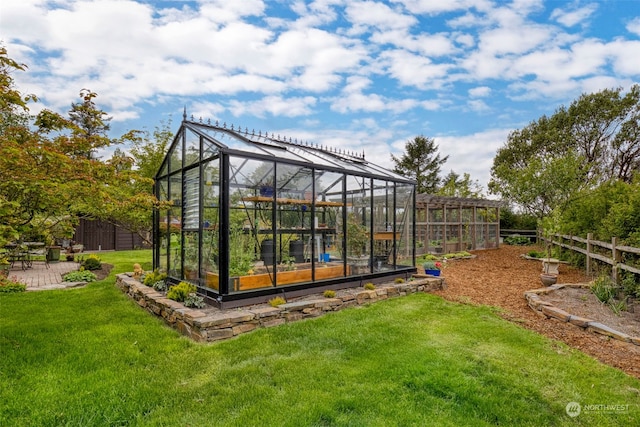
(615, 256)
(588, 261)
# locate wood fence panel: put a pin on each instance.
(614, 260)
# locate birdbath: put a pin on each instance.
(550, 265)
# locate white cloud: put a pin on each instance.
(368, 14)
(633, 26)
(275, 106)
(479, 92)
(624, 61)
(415, 70)
(437, 7)
(472, 154)
(478, 105)
(569, 18)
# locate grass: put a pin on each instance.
(92, 357)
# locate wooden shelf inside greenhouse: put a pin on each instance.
(386, 235)
(286, 201)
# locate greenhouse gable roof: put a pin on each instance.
(232, 140)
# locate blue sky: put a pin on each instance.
(359, 75)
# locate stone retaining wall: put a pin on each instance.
(212, 324)
(551, 311)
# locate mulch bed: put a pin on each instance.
(499, 277)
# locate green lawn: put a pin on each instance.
(90, 356)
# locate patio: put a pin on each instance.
(39, 278)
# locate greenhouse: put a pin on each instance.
(250, 215)
(453, 224)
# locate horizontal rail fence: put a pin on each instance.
(607, 252)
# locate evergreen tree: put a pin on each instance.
(421, 162)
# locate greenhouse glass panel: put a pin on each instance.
(175, 223)
(358, 226)
(329, 205)
(210, 268)
(163, 230)
(384, 232)
(191, 255)
(191, 148)
(404, 217)
(175, 154)
(191, 199)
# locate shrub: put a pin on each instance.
(181, 291)
(274, 302)
(92, 262)
(152, 277)
(537, 254)
(631, 284)
(369, 286)
(399, 280)
(8, 286)
(329, 293)
(517, 240)
(79, 276)
(194, 300)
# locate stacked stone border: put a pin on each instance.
(550, 311)
(212, 324)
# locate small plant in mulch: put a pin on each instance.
(160, 286)
(329, 293)
(81, 275)
(536, 254)
(275, 302)
(181, 291)
(369, 286)
(398, 280)
(92, 262)
(150, 278)
(194, 300)
(605, 290)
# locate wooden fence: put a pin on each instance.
(609, 253)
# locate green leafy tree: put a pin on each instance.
(610, 210)
(48, 177)
(544, 164)
(149, 149)
(91, 125)
(455, 186)
(421, 162)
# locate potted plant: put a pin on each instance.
(432, 267)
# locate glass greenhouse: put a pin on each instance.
(253, 215)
